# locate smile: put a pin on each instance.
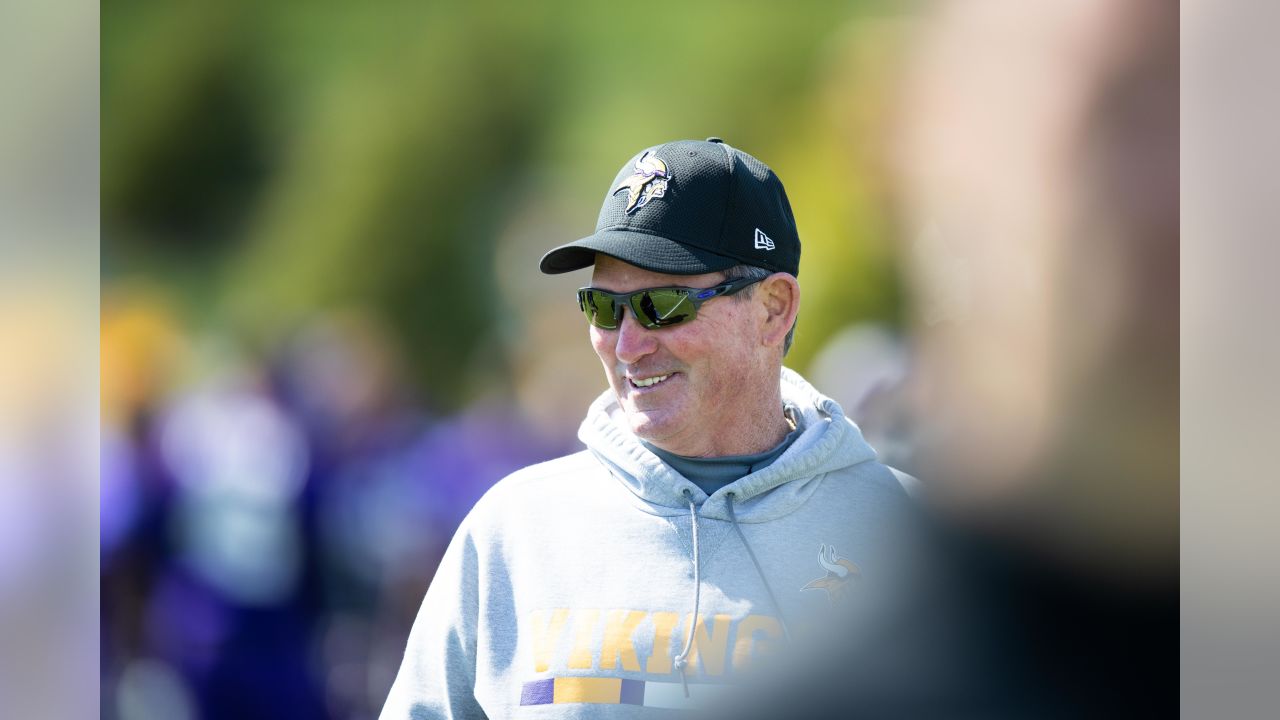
(648, 382)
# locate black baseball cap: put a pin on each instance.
(690, 207)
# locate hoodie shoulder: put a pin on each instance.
(573, 465)
(910, 483)
(542, 481)
(521, 504)
(873, 479)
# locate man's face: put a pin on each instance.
(704, 370)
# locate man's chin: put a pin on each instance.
(652, 427)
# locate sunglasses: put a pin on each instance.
(653, 308)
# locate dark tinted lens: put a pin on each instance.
(598, 308)
(662, 308)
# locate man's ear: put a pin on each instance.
(779, 295)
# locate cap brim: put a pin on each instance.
(649, 252)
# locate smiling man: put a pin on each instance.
(691, 388)
(723, 506)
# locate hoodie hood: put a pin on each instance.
(828, 441)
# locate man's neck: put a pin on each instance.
(760, 436)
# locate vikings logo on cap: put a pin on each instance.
(839, 572)
(648, 182)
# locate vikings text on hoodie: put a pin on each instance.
(605, 584)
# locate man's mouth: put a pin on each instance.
(648, 382)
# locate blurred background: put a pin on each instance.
(324, 335)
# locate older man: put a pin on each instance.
(722, 506)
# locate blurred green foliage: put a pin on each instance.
(265, 161)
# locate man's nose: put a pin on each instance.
(634, 341)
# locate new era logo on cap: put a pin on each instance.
(763, 242)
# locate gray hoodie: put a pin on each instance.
(570, 589)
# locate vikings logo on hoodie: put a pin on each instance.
(840, 571)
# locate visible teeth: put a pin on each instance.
(649, 381)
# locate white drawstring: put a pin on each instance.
(683, 658)
(734, 519)
(681, 661)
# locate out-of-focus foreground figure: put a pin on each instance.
(1037, 165)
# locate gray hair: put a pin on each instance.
(758, 273)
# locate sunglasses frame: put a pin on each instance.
(694, 297)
